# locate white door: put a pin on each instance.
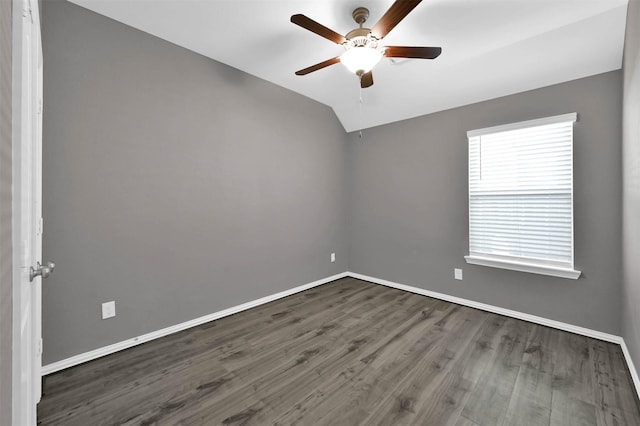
(27, 210)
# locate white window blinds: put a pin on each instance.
(521, 193)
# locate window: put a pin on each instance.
(521, 196)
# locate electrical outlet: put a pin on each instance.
(333, 257)
(457, 274)
(108, 310)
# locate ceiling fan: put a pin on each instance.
(362, 50)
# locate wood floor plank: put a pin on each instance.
(482, 348)
(492, 393)
(411, 400)
(530, 403)
(614, 406)
(347, 353)
(463, 421)
(628, 402)
(539, 350)
(566, 410)
(572, 374)
(532, 393)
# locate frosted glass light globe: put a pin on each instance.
(360, 60)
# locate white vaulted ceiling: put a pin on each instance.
(490, 48)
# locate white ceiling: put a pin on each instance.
(491, 48)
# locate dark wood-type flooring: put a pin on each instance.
(352, 353)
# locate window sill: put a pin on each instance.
(524, 267)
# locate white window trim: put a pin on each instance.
(523, 124)
(520, 265)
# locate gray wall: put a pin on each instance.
(178, 186)
(631, 184)
(6, 294)
(173, 184)
(409, 209)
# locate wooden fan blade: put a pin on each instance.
(412, 52)
(318, 66)
(393, 16)
(314, 27)
(366, 80)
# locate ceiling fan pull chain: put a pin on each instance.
(360, 107)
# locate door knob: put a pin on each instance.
(41, 270)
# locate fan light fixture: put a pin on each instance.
(362, 48)
(360, 60)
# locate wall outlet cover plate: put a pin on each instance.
(108, 310)
(457, 274)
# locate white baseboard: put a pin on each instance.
(612, 338)
(125, 344)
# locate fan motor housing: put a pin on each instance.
(358, 33)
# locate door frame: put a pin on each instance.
(26, 175)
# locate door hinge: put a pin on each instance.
(40, 346)
(40, 226)
(40, 106)
(26, 10)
